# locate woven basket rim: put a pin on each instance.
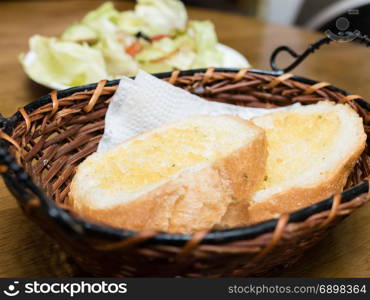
(213, 237)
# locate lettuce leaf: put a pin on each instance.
(194, 48)
(154, 17)
(78, 33)
(205, 39)
(118, 62)
(163, 16)
(54, 62)
(180, 60)
(163, 48)
(131, 23)
(104, 11)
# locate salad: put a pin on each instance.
(156, 36)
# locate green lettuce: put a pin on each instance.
(194, 48)
(163, 48)
(95, 48)
(205, 39)
(104, 11)
(164, 16)
(118, 62)
(131, 23)
(61, 63)
(154, 17)
(79, 33)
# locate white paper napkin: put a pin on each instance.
(147, 102)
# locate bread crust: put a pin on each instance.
(164, 208)
(299, 197)
(244, 181)
(191, 201)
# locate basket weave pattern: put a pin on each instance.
(52, 140)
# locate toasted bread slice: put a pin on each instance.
(312, 150)
(178, 178)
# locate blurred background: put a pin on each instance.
(319, 15)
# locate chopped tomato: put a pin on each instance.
(159, 37)
(133, 49)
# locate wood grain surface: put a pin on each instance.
(25, 251)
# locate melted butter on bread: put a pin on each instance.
(181, 178)
(152, 158)
(297, 142)
(312, 150)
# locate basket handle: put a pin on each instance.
(348, 36)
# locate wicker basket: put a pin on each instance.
(51, 136)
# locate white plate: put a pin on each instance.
(232, 59)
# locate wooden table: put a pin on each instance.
(25, 251)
